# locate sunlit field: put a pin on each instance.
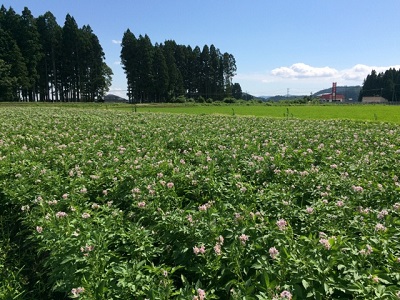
(379, 113)
(384, 113)
(102, 202)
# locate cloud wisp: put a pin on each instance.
(302, 78)
(303, 71)
(116, 42)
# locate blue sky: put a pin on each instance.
(302, 46)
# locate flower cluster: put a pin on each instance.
(77, 291)
(282, 224)
(197, 250)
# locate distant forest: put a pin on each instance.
(42, 61)
(385, 84)
(169, 71)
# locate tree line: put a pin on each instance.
(42, 61)
(385, 84)
(169, 71)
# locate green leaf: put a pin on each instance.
(306, 285)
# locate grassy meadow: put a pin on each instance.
(383, 113)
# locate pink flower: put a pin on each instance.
(340, 203)
(382, 214)
(325, 243)
(375, 279)
(358, 189)
(39, 229)
(86, 250)
(190, 218)
(286, 295)
(170, 185)
(141, 204)
(197, 250)
(380, 227)
(65, 196)
(61, 214)
(243, 238)
(201, 295)
(273, 252)
(85, 215)
(217, 249)
(136, 191)
(368, 251)
(77, 291)
(281, 223)
(205, 206)
(309, 210)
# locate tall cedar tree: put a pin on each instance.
(45, 62)
(193, 73)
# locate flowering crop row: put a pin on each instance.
(115, 205)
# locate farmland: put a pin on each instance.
(115, 204)
(382, 113)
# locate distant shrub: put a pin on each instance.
(180, 99)
(229, 100)
(200, 100)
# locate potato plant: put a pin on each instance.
(99, 204)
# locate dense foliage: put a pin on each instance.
(163, 72)
(42, 61)
(385, 84)
(114, 205)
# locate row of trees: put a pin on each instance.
(42, 61)
(385, 84)
(163, 72)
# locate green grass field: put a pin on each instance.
(379, 113)
(382, 113)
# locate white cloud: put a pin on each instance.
(116, 41)
(359, 72)
(301, 70)
(301, 79)
(118, 62)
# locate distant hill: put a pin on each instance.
(113, 98)
(350, 92)
(280, 97)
